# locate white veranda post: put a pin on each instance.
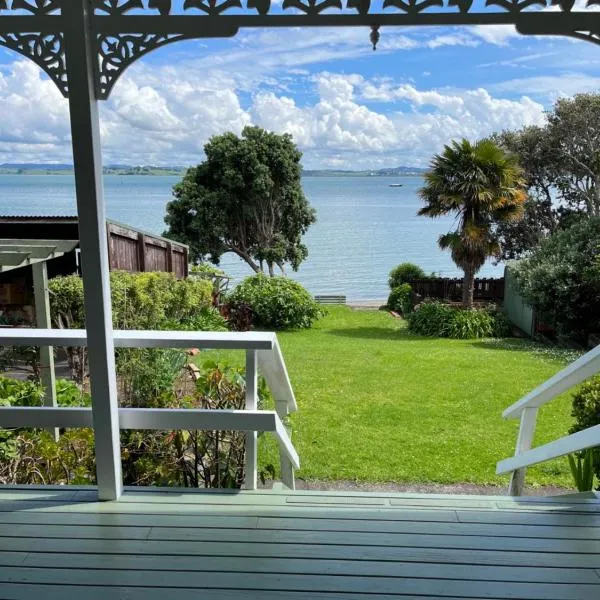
(85, 132)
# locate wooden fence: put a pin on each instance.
(131, 250)
(486, 290)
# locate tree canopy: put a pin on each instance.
(481, 185)
(245, 198)
(574, 133)
(561, 162)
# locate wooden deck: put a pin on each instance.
(60, 543)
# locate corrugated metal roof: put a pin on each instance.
(74, 219)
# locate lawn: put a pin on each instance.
(378, 404)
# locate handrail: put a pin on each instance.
(581, 440)
(576, 372)
(262, 352)
(527, 408)
(271, 360)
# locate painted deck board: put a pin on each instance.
(236, 564)
(309, 545)
(373, 525)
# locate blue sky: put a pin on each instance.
(346, 105)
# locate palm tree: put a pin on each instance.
(481, 185)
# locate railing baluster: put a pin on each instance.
(251, 477)
(524, 442)
(287, 468)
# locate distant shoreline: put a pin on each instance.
(168, 173)
(178, 171)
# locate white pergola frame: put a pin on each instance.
(85, 45)
(15, 254)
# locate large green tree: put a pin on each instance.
(561, 161)
(481, 185)
(574, 135)
(533, 147)
(245, 198)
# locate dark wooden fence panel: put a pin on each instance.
(180, 261)
(156, 256)
(488, 289)
(130, 250)
(123, 248)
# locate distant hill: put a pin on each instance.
(64, 169)
(387, 172)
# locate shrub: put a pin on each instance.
(206, 319)
(276, 302)
(561, 279)
(32, 455)
(441, 320)
(151, 300)
(468, 324)
(14, 392)
(147, 375)
(218, 278)
(430, 318)
(208, 270)
(586, 411)
(139, 300)
(193, 458)
(239, 316)
(403, 273)
(401, 299)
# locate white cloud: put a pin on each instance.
(498, 35)
(34, 112)
(456, 39)
(549, 86)
(162, 114)
(338, 127)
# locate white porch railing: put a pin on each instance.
(262, 354)
(527, 407)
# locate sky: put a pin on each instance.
(347, 106)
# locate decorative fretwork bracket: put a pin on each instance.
(46, 50)
(125, 30)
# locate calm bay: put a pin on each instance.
(364, 227)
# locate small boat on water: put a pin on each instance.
(396, 184)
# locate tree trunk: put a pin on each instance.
(468, 286)
(282, 267)
(271, 269)
(254, 266)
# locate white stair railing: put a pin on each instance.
(527, 408)
(262, 354)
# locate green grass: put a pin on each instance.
(378, 404)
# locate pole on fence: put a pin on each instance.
(251, 471)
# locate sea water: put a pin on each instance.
(364, 227)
